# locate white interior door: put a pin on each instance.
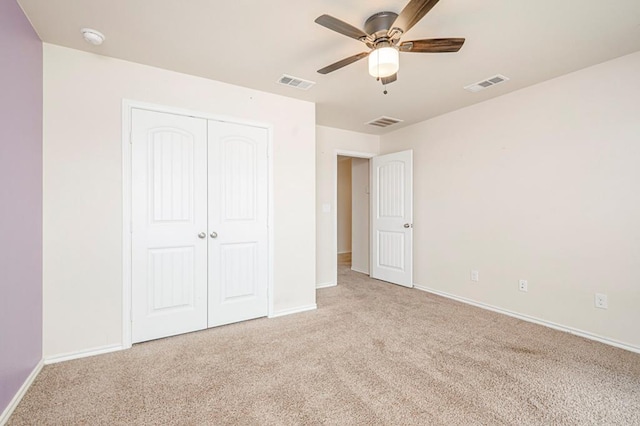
(169, 221)
(238, 208)
(391, 218)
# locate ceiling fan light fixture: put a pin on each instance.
(384, 62)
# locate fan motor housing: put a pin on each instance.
(379, 24)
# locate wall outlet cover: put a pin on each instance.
(475, 276)
(523, 285)
(601, 301)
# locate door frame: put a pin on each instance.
(334, 165)
(127, 106)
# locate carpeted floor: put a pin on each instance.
(373, 353)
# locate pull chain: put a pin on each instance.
(378, 77)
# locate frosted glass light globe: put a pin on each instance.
(384, 62)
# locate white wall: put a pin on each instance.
(360, 215)
(329, 142)
(83, 96)
(541, 184)
(344, 205)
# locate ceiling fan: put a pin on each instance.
(382, 33)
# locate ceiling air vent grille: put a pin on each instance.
(296, 82)
(384, 121)
(491, 81)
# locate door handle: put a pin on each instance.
(408, 225)
(202, 235)
(214, 234)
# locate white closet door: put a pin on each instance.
(238, 248)
(169, 223)
(391, 217)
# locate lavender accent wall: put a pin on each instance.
(20, 200)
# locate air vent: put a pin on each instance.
(491, 81)
(384, 121)
(296, 82)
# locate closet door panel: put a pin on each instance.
(169, 211)
(238, 184)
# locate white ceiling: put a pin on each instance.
(251, 43)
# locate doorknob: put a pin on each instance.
(202, 235)
(407, 225)
(214, 234)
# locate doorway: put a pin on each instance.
(352, 212)
(374, 215)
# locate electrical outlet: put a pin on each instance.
(523, 285)
(601, 301)
(475, 276)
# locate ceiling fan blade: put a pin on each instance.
(343, 63)
(413, 12)
(390, 79)
(432, 45)
(340, 27)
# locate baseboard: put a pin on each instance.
(325, 285)
(344, 252)
(534, 320)
(83, 354)
(359, 271)
(18, 396)
(293, 311)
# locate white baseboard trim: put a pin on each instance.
(325, 285)
(293, 311)
(534, 320)
(359, 271)
(4, 418)
(83, 354)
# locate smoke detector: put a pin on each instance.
(92, 36)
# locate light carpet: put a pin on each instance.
(372, 353)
